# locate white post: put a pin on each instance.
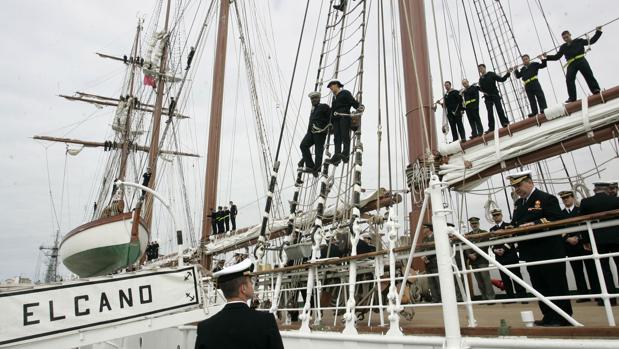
(451, 319)
(395, 306)
(470, 316)
(179, 233)
(350, 317)
(598, 268)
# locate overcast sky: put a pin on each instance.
(49, 49)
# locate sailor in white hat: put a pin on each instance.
(236, 325)
(537, 207)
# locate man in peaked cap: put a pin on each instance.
(507, 254)
(574, 247)
(537, 207)
(614, 185)
(236, 325)
(315, 136)
(365, 244)
(606, 239)
(340, 118)
(476, 262)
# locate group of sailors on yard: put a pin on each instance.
(456, 103)
(222, 218)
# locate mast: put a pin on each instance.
(154, 140)
(417, 90)
(212, 156)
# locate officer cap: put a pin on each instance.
(314, 94)
(601, 184)
(516, 178)
(566, 193)
(474, 219)
(234, 271)
(496, 211)
(334, 82)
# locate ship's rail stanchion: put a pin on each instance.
(470, 315)
(394, 307)
(598, 268)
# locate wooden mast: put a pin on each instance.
(417, 90)
(154, 140)
(212, 156)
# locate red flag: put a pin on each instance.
(149, 80)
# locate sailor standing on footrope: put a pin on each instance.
(470, 101)
(537, 207)
(492, 97)
(528, 74)
(236, 325)
(315, 136)
(574, 52)
(340, 118)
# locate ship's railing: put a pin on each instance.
(373, 281)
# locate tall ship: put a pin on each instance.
(371, 246)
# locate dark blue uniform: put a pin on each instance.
(510, 256)
(492, 97)
(578, 266)
(342, 123)
(471, 106)
(453, 107)
(316, 135)
(532, 87)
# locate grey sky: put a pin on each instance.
(49, 49)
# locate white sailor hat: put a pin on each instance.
(566, 193)
(366, 236)
(613, 183)
(517, 177)
(234, 271)
(496, 211)
(601, 184)
(314, 94)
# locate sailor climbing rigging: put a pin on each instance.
(528, 74)
(492, 97)
(340, 116)
(574, 52)
(315, 136)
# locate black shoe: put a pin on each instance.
(539, 322)
(504, 125)
(583, 300)
(345, 159)
(532, 115)
(335, 159)
(596, 92)
(613, 302)
(300, 163)
(316, 173)
(525, 302)
(339, 7)
(489, 131)
(570, 101)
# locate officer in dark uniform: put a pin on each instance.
(507, 254)
(574, 52)
(492, 97)
(431, 265)
(528, 74)
(233, 212)
(452, 103)
(606, 239)
(316, 135)
(340, 118)
(613, 188)
(220, 220)
(470, 94)
(537, 207)
(236, 325)
(574, 247)
(478, 262)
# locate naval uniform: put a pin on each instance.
(453, 107)
(237, 326)
(532, 87)
(574, 53)
(510, 256)
(482, 277)
(492, 97)
(233, 212)
(548, 279)
(315, 136)
(471, 106)
(578, 266)
(342, 103)
(606, 239)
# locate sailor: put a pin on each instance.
(574, 248)
(192, 52)
(220, 220)
(612, 190)
(477, 262)
(331, 248)
(227, 218)
(507, 254)
(341, 121)
(574, 52)
(606, 239)
(528, 74)
(431, 265)
(146, 179)
(364, 245)
(470, 101)
(172, 106)
(233, 212)
(213, 217)
(219, 266)
(537, 207)
(236, 325)
(492, 97)
(452, 103)
(155, 249)
(315, 136)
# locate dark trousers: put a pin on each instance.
(582, 66)
(491, 103)
(550, 280)
(456, 126)
(220, 227)
(508, 283)
(474, 121)
(579, 266)
(233, 221)
(318, 141)
(341, 136)
(214, 227)
(606, 271)
(536, 97)
(227, 223)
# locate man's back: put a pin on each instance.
(600, 203)
(238, 326)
